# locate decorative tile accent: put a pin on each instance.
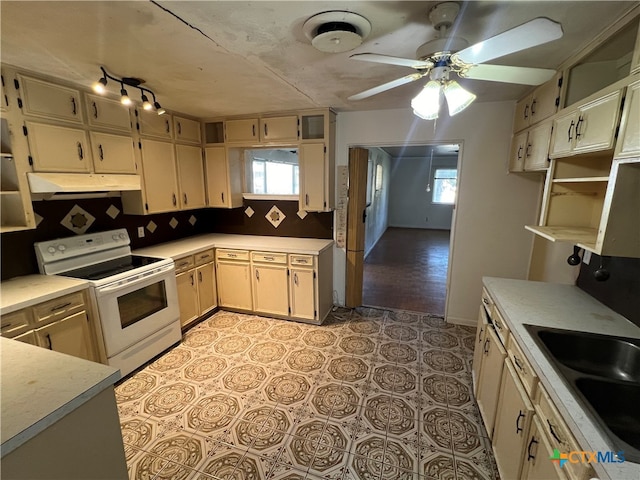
(113, 211)
(173, 223)
(302, 214)
(151, 226)
(192, 220)
(78, 220)
(275, 216)
(249, 212)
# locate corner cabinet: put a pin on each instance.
(223, 167)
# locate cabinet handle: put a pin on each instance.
(266, 132)
(183, 264)
(49, 345)
(253, 130)
(295, 279)
(306, 199)
(531, 456)
(60, 307)
(533, 110)
(526, 111)
(222, 195)
(269, 259)
(518, 364)
(185, 198)
(74, 110)
(167, 124)
(100, 152)
(232, 255)
(485, 301)
(520, 415)
(179, 129)
(95, 109)
(486, 346)
(175, 201)
(200, 276)
(192, 280)
(553, 433)
(580, 120)
(569, 137)
(257, 274)
(480, 334)
(528, 150)
(80, 152)
(520, 152)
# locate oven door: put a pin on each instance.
(133, 308)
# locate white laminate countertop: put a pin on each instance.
(191, 245)
(21, 292)
(40, 386)
(563, 306)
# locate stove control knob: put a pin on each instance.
(115, 238)
(122, 236)
(62, 247)
(51, 250)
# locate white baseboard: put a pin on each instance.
(461, 321)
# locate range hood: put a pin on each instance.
(66, 183)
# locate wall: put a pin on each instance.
(493, 206)
(549, 262)
(377, 212)
(410, 204)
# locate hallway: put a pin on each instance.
(407, 269)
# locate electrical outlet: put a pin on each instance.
(140, 232)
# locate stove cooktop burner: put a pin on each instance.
(111, 267)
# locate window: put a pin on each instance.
(273, 172)
(445, 184)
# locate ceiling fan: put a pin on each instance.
(449, 54)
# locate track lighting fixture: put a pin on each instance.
(100, 87)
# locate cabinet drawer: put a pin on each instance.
(204, 257)
(301, 260)
(232, 254)
(559, 435)
(184, 263)
(267, 257)
(500, 325)
(487, 301)
(15, 323)
(522, 366)
(59, 308)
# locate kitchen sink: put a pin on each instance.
(603, 372)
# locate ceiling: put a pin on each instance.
(213, 58)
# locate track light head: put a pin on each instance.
(159, 109)
(99, 86)
(146, 104)
(124, 98)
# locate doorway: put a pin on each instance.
(408, 226)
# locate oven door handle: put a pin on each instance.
(140, 278)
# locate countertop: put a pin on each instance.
(191, 245)
(562, 306)
(21, 292)
(40, 386)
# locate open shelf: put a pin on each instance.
(583, 237)
(581, 179)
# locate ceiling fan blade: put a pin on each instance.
(530, 34)
(404, 62)
(505, 74)
(387, 86)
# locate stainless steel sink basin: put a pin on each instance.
(604, 374)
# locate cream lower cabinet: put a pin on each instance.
(233, 277)
(490, 377)
(270, 283)
(303, 287)
(481, 335)
(71, 335)
(195, 279)
(536, 464)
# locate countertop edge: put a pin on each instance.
(37, 298)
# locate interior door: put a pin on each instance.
(356, 216)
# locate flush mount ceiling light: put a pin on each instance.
(336, 31)
(101, 84)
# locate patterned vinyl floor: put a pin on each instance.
(369, 395)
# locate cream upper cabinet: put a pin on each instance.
(270, 288)
(112, 153)
(44, 99)
(160, 182)
(589, 128)
(313, 177)
(628, 142)
(518, 151)
(58, 149)
(154, 125)
(536, 154)
(190, 177)
(245, 130)
(186, 130)
(537, 106)
(224, 177)
(106, 113)
(71, 335)
(490, 377)
(279, 129)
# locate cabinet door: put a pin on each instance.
(481, 335)
(628, 143)
(536, 463)
(522, 115)
(241, 131)
(313, 177)
(596, 124)
(112, 153)
(489, 380)
(518, 151)
(187, 130)
(188, 296)
(70, 335)
(234, 285)
(224, 177)
(44, 99)
(58, 149)
(27, 337)
(511, 431)
(537, 151)
(207, 294)
(107, 113)
(280, 129)
(160, 183)
(563, 135)
(154, 125)
(190, 177)
(270, 289)
(543, 100)
(302, 288)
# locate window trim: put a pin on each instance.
(433, 190)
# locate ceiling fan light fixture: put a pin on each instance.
(426, 104)
(457, 97)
